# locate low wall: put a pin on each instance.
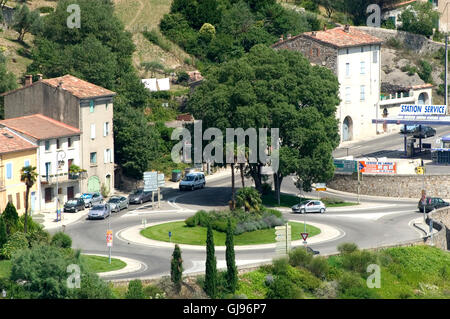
(407, 186)
(441, 222)
(415, 42)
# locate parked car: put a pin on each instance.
(432, 203)
(118, 203)
(91, 199)
(309, 206)
(192, 181)
(409, 129)
(99, 211)
(74, 205)
(139, 196)
(424, 131)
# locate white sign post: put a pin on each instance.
(283, 238)
(151, 184)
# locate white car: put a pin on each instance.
(309, 206)
(192, 181)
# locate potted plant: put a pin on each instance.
(74, 171)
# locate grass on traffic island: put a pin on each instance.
(100, 264)
(182, 234)
(287, 200)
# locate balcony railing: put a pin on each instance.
(62, 177)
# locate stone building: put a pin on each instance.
(80, 104)
(354, 57)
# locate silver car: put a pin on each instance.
(309, 206)
(118, 203)
(99, 211)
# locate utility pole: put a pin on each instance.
(359, 182)
(446, 71)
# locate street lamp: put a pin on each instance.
(60, 156)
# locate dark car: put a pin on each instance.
(99, 211)
(424, 131)
(432, 203)
(409, 129)
(139, 197)
(74, 205)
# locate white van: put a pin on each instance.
(192, 181)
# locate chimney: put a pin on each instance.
(347, 28)
(39, 77)
(289, 36)
(28, 79)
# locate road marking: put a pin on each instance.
(369, 216)
(199, 265)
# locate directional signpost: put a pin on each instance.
(151, 184)
(283, 238)
(345, 166)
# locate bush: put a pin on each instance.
(45, 9)
(327, 290)
(319, 267)
(283, 288)
(11, 218)
(394, 43)
(300, 257)
(347, 248)
(154, 292)
(61, 240)
(92, 287)
(182, 77)
(38, 237)
(425, 71)
(31, 225)
(135, 290)
(16, 242)
(352, 286)
(358, 261)
(249, 198)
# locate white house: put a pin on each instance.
(58, 148)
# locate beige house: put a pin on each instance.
(80, 104)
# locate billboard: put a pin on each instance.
(378, 167)
(410, 109)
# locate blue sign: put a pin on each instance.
(361, 166)
(170, 234)
(407, 109)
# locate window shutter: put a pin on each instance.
(105, 157)
(104, 129)
(92, 131)
(9, 171)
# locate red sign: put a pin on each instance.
(378, 167)
(109, 238)
(304, 235)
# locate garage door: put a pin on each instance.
(93, 184)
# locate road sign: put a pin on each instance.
(150, 181)
(109, 238)
(321, 187)
(408, 109)
(420, 170)
(378, 167)
(304, 236)
(345, 166)
(161, 181)
(170, 234)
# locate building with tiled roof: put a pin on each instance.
(354, 57)
(80, 105)
(15, 153)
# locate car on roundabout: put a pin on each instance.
(192, 181)
(99, 211)
(309, 206)
(139, 196)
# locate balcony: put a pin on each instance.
(62, 178)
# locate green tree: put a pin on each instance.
(277, 89)
(25, 21)
(420, 18)
(232, 275)
(135, 290)
(28, 175)
(7, 82)
(61, 240)
(11, 218)
(249, 198)
(16, 243)
(211, 265)
(3, 234)
(176, 268)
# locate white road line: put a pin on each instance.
(369, 216)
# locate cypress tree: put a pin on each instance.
(231, 264)
(3, 235)
(11, 218)
(211, 270)
(176, 267)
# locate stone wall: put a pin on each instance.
(317, 53)
(407, 186)
(441, 222)
(415, 42)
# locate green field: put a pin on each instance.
(101, 264)
(197, 235)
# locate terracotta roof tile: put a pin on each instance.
(338, 37)
(40, 127)
(77, 87)
(11, 142)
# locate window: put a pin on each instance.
(347, 69)
(69, 142)
(108, 158)
(27, 163)
(94, 158)
(18, 200)
(363, 67)
(91, 106)
(9, 171)
(48, 195)
(375, 56)
(47, 145)
(106, 129)
(362, 93)
(59, 191)
(93, 131)
(58, 144)
(347, 94)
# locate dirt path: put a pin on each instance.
(139, 11)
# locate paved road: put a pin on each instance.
(368, 228)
